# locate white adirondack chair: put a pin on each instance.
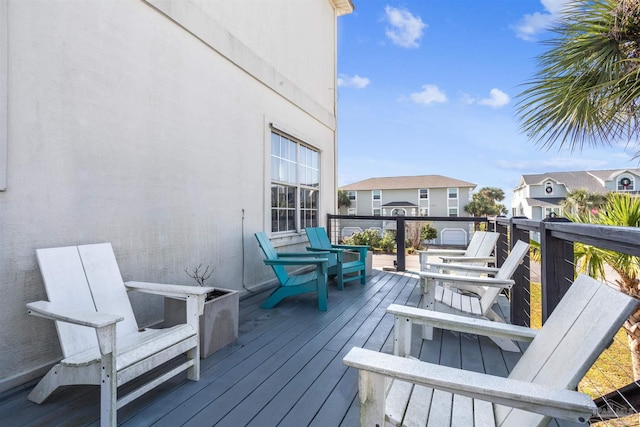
(436, 296)
(478, 251)
(98, 333)
(400, 391)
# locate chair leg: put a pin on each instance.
(108, 392)
(47, 385)
(61, 375)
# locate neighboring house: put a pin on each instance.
(426, 195)
(174, 129)
(539, 195)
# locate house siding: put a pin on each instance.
(146, 123)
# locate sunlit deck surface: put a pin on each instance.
(286, 368)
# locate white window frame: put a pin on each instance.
(631, 186)
(453, 202)
(305, 181)
(422, 191)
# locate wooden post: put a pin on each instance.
(556, 270)
(521, 290)
(400, 243)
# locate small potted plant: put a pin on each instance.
(218, 323)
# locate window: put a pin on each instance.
(295, 183)
(551, 212)
(423, 193)
(376, 212)
(453, 211)
(625, 183)
(453, 193)
(352, 196)
(376, 195)
(424, 211)
(351, 211)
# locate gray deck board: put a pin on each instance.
(285, 370)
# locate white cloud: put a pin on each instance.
(497, 99)
(532, 24)
(429, 95)
(404, 29)
(353, 81)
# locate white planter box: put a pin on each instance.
(218, 324)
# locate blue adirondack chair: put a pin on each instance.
(319, 241)
(315, 281)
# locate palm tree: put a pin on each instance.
(587, 87)
(621, 209)
(580, 201)
(343, 199)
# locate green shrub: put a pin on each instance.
(388, 241)
(367, 237)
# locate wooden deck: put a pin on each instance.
(285, 370)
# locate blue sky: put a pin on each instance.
(429, 87)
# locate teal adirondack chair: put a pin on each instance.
(315, 281)
(319, 241)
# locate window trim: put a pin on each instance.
(632, 183)
(299, 187)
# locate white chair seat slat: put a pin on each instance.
(131, 349)
(397, 400)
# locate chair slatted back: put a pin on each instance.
(580, 328)
(482, 244)
(87, 278)
(270, 253)
(66, 284)
(506, 271)
(319, 239)
(108, 290)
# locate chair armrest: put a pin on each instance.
(444, 252)
(480, 281)
(178, 291)
(462, 259)
(316, 254)
(466, 324)
(556, 403)
(351, 247)
(332, 250)
(463, 267)
(68, 314)
(297, 261)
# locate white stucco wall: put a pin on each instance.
(151, 133)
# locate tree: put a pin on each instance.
(343, 199)
(484, 202)
(621, 209)
(581, 201)
(587, 88)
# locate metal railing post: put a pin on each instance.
(556, 269)
(520, 294)
(400, 243)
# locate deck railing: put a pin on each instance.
(557, 237)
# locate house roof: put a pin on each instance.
(592, 181)
(399, 204)
(551, 202)
(407, 182)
